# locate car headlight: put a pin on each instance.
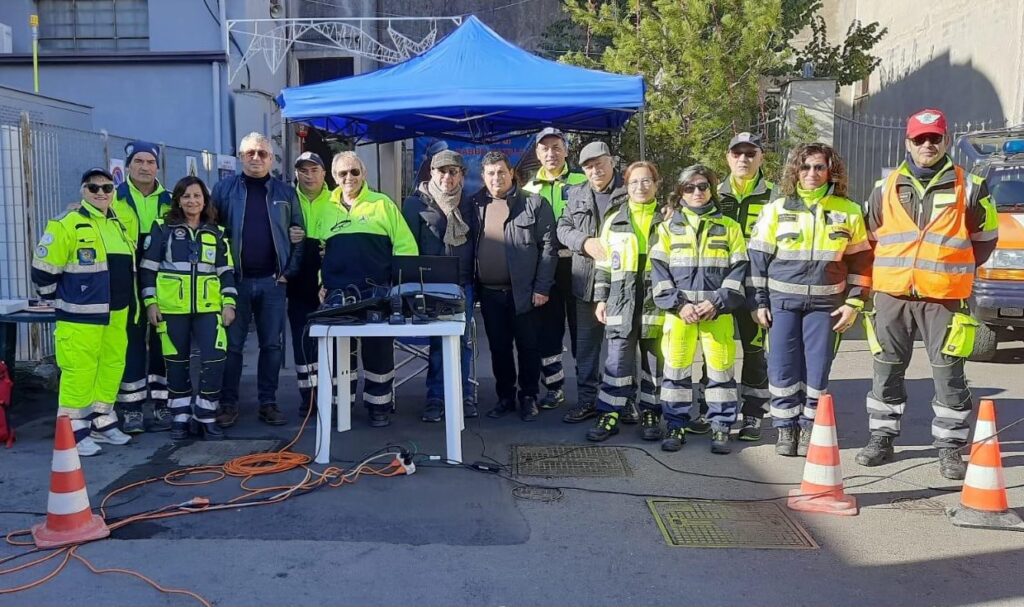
(1006, 259)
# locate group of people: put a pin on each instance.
(640, 279)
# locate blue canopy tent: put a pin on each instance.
(473, 85)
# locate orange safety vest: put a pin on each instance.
(936, 262)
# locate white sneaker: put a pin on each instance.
(112, 436)
(88, 447)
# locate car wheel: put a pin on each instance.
(985, 343)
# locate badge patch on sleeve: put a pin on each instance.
(86, 257)
(46, 239)
(616, 261)
(147, 242)
(210, 255)
(42, 251)
(179, 234)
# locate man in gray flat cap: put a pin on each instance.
(443, 222)
(578, 228)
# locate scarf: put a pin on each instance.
(457, 231)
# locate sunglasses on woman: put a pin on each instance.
(691, 187)
(817, 168)
(95, 188)
(352, 172)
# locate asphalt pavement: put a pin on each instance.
(448, 535)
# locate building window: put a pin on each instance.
(93, 25)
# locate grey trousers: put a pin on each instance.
(895, 321)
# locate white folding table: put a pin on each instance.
(336, 340)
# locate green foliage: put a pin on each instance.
(706, 65)
(802, 130)
(701, 61)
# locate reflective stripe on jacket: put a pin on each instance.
(186, 271)
(699, 258)
(817, 254)
(71, 264)
(615, 278)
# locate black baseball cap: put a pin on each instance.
(96, 171)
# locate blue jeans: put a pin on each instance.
(264, 299)
(435, 370)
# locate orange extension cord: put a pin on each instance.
(246, 467)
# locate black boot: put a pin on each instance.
(877, 452)
(208, 430)
(528, 410)
(179, 430)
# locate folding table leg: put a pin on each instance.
(453, 416)
(323, 401)
(344, 375)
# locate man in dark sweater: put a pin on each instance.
(265, 229)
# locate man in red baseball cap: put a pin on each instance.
(931, 224)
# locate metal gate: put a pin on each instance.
(872, 145)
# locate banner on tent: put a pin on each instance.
(472, 154)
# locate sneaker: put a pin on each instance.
(379, 418)
(674, 439)
(720, 442)
(804, 442)
(580, 413)
(951, 464)
(699, 426)
(751, 429)
(877, 452)
(88, 447)
(134, 423)
(503, 408)
(607, 426)
(650, 425)
(161, 421)
(112, 436)
(528, 410)
(228, 416)
(786, 443)
(552, 399)
(433, 412)
(469, 410)
(630, 414)
(270, 415)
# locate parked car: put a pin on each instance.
(998, 300)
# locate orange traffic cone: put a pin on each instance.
(69, 519)
(822, 487)
(983, 499)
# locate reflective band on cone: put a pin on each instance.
(822, 486)
(69, 519)
(983, 502)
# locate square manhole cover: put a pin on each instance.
(568, 461)
(710, 524)
(212, 453)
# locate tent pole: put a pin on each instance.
(643, 140)
(377, 146)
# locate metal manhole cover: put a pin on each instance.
(920, 505)
(710, 524)
(569, 461)
(212, 453)
(537, 494)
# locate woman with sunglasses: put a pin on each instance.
(85, 266)
(698, 265)
(810, 266)
(362, 230)
(188, 285)
(625, 305)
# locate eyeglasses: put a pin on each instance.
(352, 172)
(932, 138)
(702, 186)
(250, 154)
(640, 183)
(751, 154)
(817, 168)
(449, 170)
(95, 188)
